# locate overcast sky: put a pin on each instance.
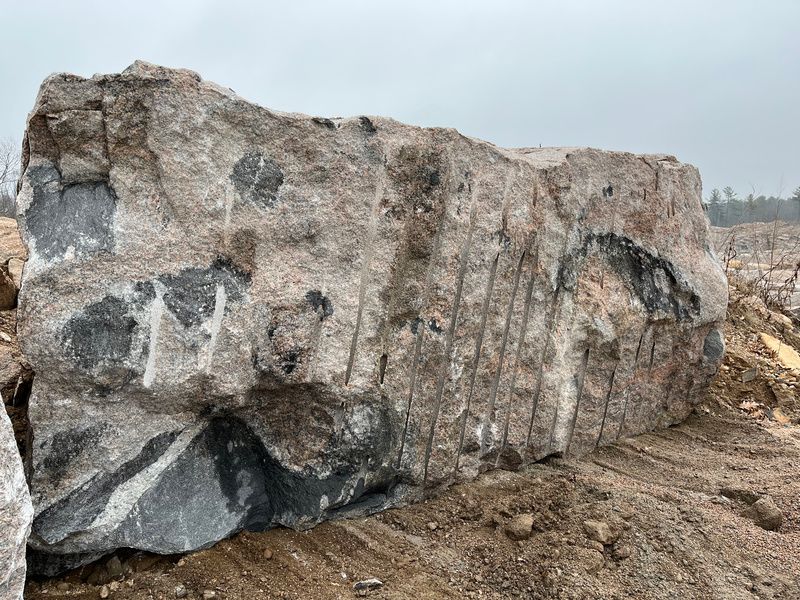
(715, 82)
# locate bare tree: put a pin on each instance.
(9, 172)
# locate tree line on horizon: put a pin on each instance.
(726, 209)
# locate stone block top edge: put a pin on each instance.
(47, 103)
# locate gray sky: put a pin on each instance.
(715, 82)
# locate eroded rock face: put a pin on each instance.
(241, 318)
(16, 514)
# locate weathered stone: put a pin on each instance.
(600, 531)
(765, 513)
(8, 290)
(16, 514)
(240, 318)
(519, 527)
(621, 552)
(749, 375)
(15, 266)
(740, 494)
(368, 584)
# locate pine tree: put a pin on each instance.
(750, 203)
(729, 194)
(714, 202)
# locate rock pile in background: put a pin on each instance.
(240, 318)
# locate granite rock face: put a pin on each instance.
(240, 318)
(16, 514)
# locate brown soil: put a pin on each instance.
(674, 499)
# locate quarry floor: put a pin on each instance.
(675, 497)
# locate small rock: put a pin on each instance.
(180, 591)
(599, 531)
(595, 545)
(740, 494)
(368, 584)
(621, 552)
(268, 554)
(591, 560)
(749, 375)
(62, 586)
(105, 592)
(520, 527)
(765, 513)
(433, 525)
(5, 337)
(209, 594)
(15, 266)
(114, 567)
(777, 415)
(8, 291)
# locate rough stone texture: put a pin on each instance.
(240, 318)
(765, 513)
(519, 527)
(16, 514)
(600, 531)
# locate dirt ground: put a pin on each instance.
(674, 502)
(749, 249)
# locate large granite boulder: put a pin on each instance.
(240, 318)
(16, 514)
